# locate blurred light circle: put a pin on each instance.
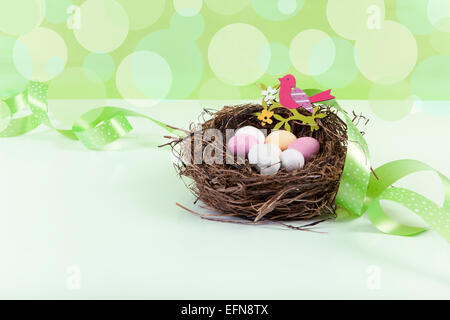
(440, 41)
(56, 10)
(277, 10)
(125, 83)
(413, 15)
(11, 80)
(387, 55)
(187, 27)
(183, 56)
(20, 16)
(143, 13)
(54, 66)
(187, 8)
(102, 64)
(391, 102)
(430, 83)
(288, 6)
(343, 70)
(234, 51)
(439, 14)
(151, 74)
(278, 56)
(434, 108)
(214, 89)
(312, 52)
(48, 53)
(228, 7)
(103, 27)
(351, 19)
(144, 75)
(74, 84)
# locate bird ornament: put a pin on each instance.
(292, 97)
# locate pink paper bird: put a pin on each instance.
(293, 98)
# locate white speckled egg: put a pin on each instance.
(264, 154)
(268, 170)
(250, 130)
(266, 158)
(292, 159)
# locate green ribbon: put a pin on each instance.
(362, 190)
(95, 129)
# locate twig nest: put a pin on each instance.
(271, 186)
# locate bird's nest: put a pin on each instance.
(238, 190)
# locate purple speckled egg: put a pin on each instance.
(241, 144)
(308, 146)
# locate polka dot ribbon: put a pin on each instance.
(362, 190)
(95, 128)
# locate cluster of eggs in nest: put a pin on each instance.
(280, 149)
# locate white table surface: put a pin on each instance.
(79, 224)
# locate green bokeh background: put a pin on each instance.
(187, 59)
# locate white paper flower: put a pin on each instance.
(269, 94)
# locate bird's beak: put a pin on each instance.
(279, 79)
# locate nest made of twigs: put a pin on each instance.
(238, 190)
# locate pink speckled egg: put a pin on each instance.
(241, 144)
(308, 146)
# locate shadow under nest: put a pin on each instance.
(238, 190)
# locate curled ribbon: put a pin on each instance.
(95, 129)
(362, 190)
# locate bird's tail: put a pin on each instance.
(323, 96)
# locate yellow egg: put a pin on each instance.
(281, 138)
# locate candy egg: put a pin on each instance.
(258, 134)
(241, 144)
(266, 158)
(264, 154)
(292, 159)
(308, 146)
(281, 138)
(268, 170)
